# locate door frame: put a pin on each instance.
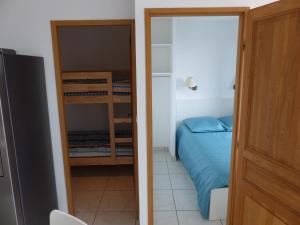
(55, 25)
(177, 12)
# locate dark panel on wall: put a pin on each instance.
(87, 117)
(95, 48)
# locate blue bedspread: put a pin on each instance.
(206, 156)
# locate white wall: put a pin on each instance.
(216, 107)
(25, 26)
(206, 49)
(140, 5)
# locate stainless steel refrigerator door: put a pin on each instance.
(1, 166)
(28, 110)
(8, 213)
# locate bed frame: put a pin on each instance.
(218, 204)
(109, 94)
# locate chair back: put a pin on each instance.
(60, 218)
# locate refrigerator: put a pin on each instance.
(27, 183)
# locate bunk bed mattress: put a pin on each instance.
(95, 144)
(99, 152)
(98, 93)
(206, 156)
(88, 138)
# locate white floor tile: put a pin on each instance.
(160, 168)
(118, 201)
(170, 158)
(115, 218)
(176, 167)
(159, 156)
(194, 218)
(181, 182)
(163, 200)
(165, 218)
(185, 199)
(161, 181)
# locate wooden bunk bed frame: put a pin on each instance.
(109, 98)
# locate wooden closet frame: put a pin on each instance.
(241, 12)
(55, 25)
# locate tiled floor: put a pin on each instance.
(175, 198)
(104, 195)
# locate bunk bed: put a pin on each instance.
(112, 147)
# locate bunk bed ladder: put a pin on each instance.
(111, 118)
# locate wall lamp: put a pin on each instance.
(191, 84)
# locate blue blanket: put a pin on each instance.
(206, 156)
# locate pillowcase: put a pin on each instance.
(204, 124)
(227, 122)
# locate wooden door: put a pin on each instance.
(266, 170)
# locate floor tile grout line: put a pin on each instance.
(173, 194)
(99, 204)
(180, 210)
(101, 199)
(173, 189)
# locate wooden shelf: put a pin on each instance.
(123, 120)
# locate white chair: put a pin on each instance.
(61, 218)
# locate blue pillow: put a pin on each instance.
(227, 121)
(204, 124)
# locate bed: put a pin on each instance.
(115, 87)
(206, 157)
(96, 144)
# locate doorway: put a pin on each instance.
(96, 90)
(152, 54)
